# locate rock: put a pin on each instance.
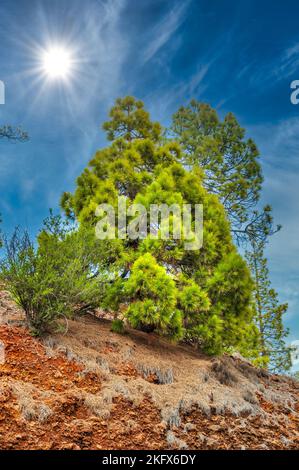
(70, 446)
(215, 427)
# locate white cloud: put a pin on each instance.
(289, 62)
(165, 29)
(164, 101)
(280, 68)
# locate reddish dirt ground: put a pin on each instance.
(59, 398)
(70, 426)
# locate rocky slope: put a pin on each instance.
(93, 389)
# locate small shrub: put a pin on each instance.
(131, 426)
(117, 326)
(90, 366)
(53, 279)
(32, 412)
(262, 373)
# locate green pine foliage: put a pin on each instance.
(117, 326)
(230, 162)
(230, 165)
(232, 171)
(273, 352)
(151, 296)
(202, 295)
(129, 120)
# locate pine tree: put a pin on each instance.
(129, 120)
(203, 295)
(15, 134)
(230, 162)
(232, 171)
(274, 353)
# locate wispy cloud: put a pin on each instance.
(164, 101)
(187, 89)
(277, 69)
(165, 29)
(288, 63)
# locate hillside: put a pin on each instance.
(94, 389)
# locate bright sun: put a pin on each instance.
(57, 63)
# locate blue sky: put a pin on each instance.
(239, 56)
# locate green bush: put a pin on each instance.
(151, 294)
(117, 326)
(56, 278)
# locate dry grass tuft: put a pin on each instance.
(98, 405)
(171, 417)
(189, 427)
(250, 397)
(223, 373)
(174, 442)
(163, 377)
(103, 364)
(30, 408)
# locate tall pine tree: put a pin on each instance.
(233, 172)
(203, 295)
(230, 163)
(274, 354)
